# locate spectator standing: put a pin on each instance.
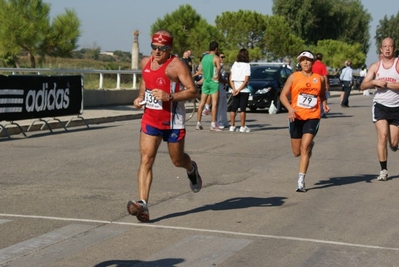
(307, 91)
(384, 76)
(362, 74)
(239, 77)
(163, 117)
(221, 117)
(320, 68)
(187, 59)
(346, 78)
(210, 66)
(287, 62)
(340, 72)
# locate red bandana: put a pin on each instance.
(162, 39)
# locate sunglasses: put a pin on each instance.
(160, 48)
(222, 57)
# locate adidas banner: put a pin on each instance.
(35, 96)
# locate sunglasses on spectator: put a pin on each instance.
(160, 48)
(222, 57)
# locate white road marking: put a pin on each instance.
(34, 244)
(4, 221)
(205, 231)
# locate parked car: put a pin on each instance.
(266, 82)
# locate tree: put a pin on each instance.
(280, 40)
(314, 20)
(26, 28)
(62, 36)
(388, 27)
(265, 37)
(189, 29)
(336, 52)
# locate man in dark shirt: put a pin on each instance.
(187, 59)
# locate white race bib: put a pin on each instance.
(307, 101)
(151, 102)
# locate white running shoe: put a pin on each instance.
(244, 129)
(232, 129)
(215, 128)
(301, 188)
(383, 175)
(206, 112)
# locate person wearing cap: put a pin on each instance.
(319, 68)
(164, 117)
(307, 91)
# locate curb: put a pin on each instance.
(13, 129)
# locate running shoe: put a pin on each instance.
(138, 209)
(195, 179)
(301, 189)
(244, 129)
(206, 112)
(215, 128)
(394, 149)
(199, 127)
(383, 175)
(232, 129)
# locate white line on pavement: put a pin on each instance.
(202, 230)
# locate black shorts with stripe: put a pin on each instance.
(390, 114)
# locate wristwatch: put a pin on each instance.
(170, 97)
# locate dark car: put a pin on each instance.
(266, 82)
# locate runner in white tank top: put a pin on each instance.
(384, 76)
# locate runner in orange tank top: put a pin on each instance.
(307, 91)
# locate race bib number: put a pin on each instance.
(307, 101)
(151, 102)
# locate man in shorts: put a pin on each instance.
(164, 117)
(384, 75)
(210, 66)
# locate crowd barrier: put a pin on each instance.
(37, 97)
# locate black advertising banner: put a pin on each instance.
(35, 96)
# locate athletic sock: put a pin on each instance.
(192, 169)
(383, 165)
(301, 179)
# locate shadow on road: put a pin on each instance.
(232, 203)
(338, 181)
(129, 263)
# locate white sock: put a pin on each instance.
(142, 200)
(213, 124)
(207, 107)
(301, 179)
(198, 123)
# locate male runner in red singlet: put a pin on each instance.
(164, 117)
(384, 75)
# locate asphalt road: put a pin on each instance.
(63, 198)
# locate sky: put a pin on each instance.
(110, 24)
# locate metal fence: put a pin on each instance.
(40, 71)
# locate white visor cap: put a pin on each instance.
(305, 54)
